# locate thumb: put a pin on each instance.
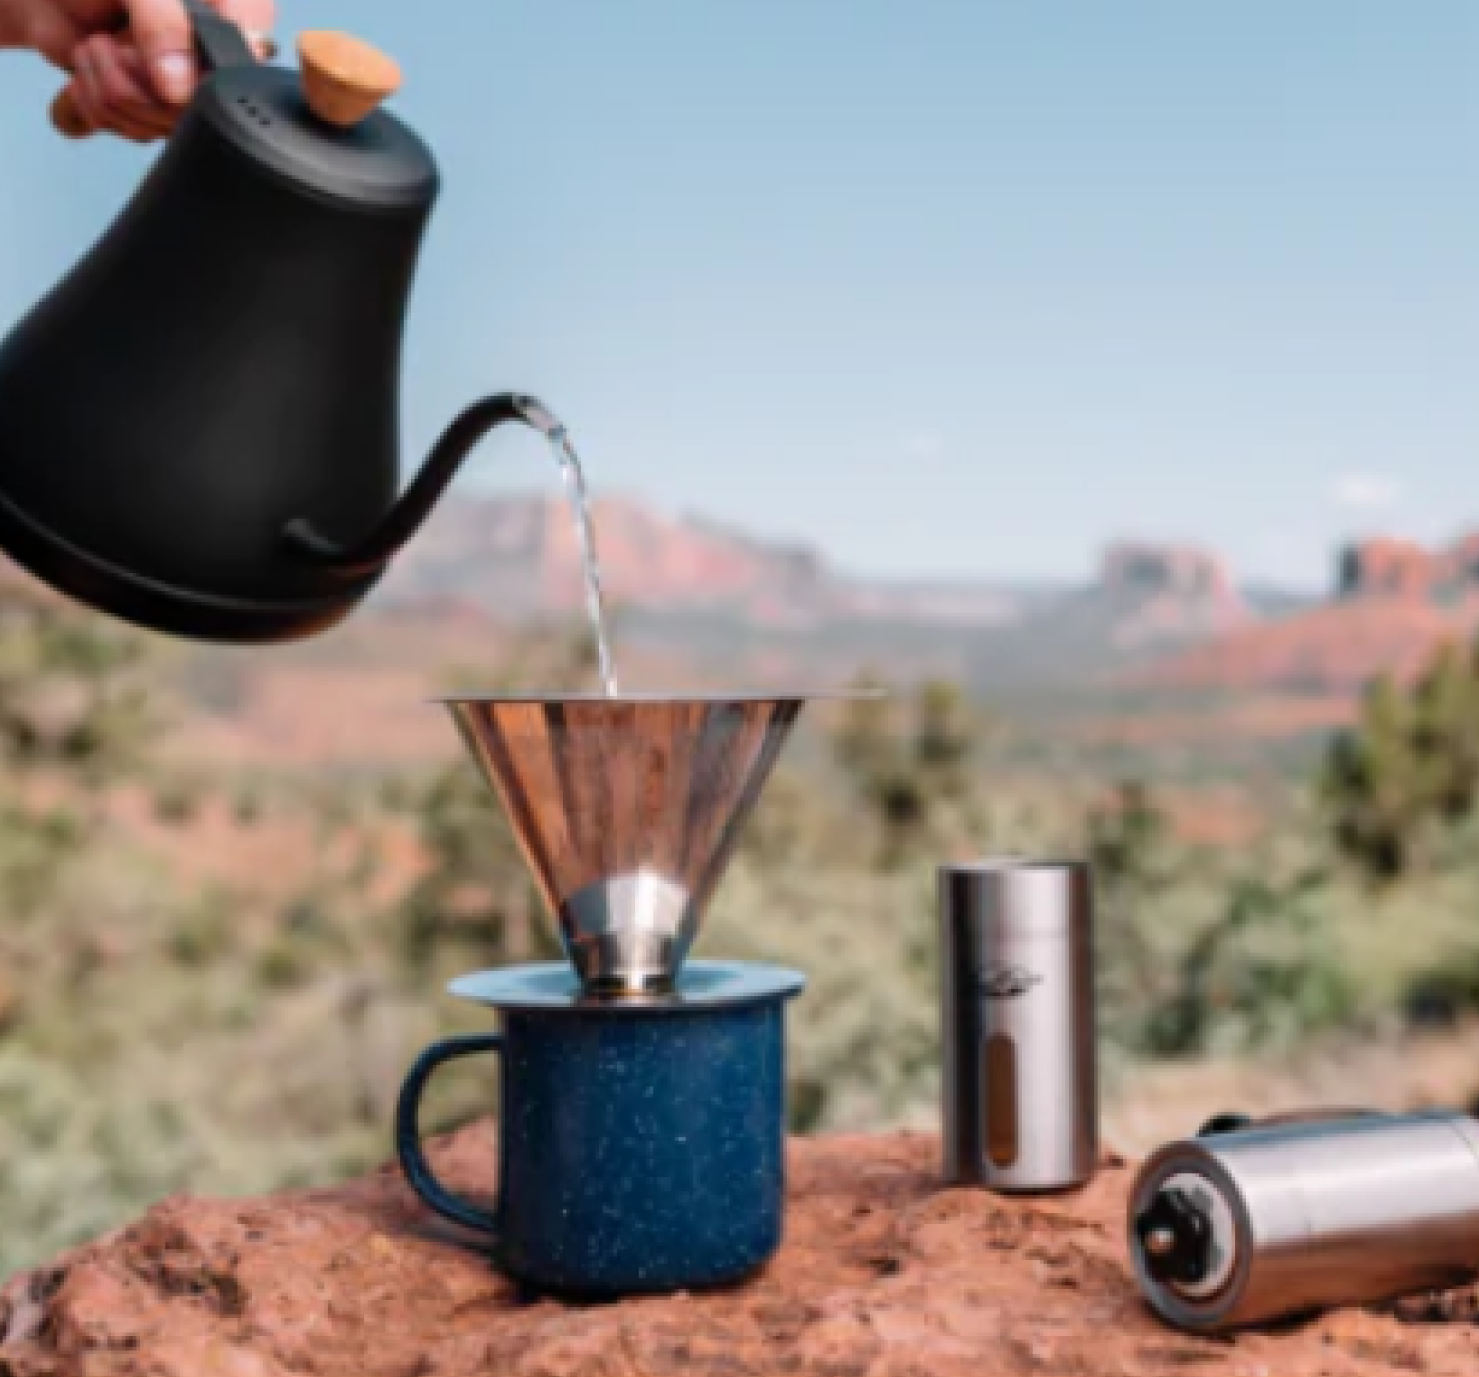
(161, 29)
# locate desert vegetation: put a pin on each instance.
(161, 1029)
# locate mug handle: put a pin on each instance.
(418, 1172)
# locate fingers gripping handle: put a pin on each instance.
(218, 43)
(408, 1149)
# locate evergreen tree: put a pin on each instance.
(1372, 783)
(1409, 769)
(909, 762)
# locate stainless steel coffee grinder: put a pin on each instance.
(1020, 1085)
(1252, 1222)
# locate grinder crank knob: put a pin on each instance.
(1227, 1122)
(1176, 1235)
(344, 78)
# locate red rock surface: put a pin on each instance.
(1387, 567)
(1334, 649)
(518, 554)
(883, 1274)
(1155, 595)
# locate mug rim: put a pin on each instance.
(552, 987)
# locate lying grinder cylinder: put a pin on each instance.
(1251, 1222)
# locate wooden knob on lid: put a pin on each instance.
(344, 78)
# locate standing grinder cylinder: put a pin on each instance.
(1242, 1225)
(1020, 1086)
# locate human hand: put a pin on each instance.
(132, 61)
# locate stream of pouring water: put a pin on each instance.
(574, 480)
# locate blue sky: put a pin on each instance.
(948, 288)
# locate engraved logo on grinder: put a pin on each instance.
(1005, 982)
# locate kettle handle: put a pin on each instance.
(219, 42)
(371, 553)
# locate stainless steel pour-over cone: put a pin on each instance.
(627, 810)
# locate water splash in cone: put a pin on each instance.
(626, 810)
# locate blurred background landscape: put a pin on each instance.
(235, 882)
(1098, 379)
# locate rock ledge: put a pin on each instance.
(883, 1274)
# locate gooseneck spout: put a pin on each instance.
(373, 551)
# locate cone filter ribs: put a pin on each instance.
(626, 811)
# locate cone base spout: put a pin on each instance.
(629, 933)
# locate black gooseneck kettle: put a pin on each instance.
(199, 426)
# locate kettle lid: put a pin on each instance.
(377, 162)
